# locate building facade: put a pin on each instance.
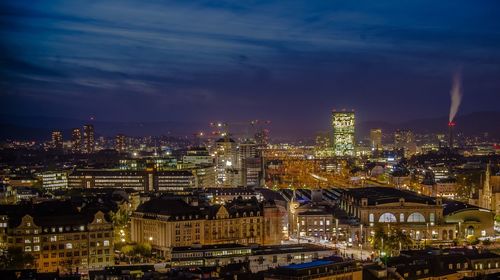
(59, 237)
(174, 223)
(343, 124)
(88, 139)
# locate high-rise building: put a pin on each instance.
(227, 163)
(88, 139)
(120, 144)
(57, 140)
(76, 140)
(343, 132)
(405, 140)
(250, 164)
(376, 138)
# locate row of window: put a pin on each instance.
(412, 218)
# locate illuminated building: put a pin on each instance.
(251, 164)
(88, 139)
(53, 180)
(197, 156)
(120, 144)
(260, 258)
(137, 180)
(174, 180)
(227, 165)
(59, 236)
(376, 138)
(405, 140)
(57, 140)
(324, 146)
(76, 141)
(489, 195)
(166, 223)
(343, 133)
(423, 218)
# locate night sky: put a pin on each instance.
(288, 61)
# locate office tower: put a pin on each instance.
(405, 140)
(120, 144)
(227, 163)
(88, 139)
(76, 140)
(376, 138)
(57, 140)
(250, 164)
(343, 133)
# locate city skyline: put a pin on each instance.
(181, 62)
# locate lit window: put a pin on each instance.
(387, 218)
(36, 248)
(53, 238)
(106, 243)
(402, 218)
(372, 218)
(416, 218)
(69, 246)
(36, 239)
(27, 249)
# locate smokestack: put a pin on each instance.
(451, 125)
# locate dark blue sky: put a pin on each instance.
(280, 60)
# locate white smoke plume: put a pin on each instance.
(456, 95)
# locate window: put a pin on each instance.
(432, 218)
(416, 218)
(53, 238)
(36, 248)
(387, 218)
(36, 239)
(69, 246)
(402, 218)
(106, 243)
(27, 249)
(371, 218)
(327, 222)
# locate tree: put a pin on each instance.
(399, 240)
(16, 258)
(392, 243)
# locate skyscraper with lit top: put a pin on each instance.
(343, 123)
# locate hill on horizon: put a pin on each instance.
(39, 127)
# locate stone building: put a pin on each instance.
(166, 223)
(58, 235)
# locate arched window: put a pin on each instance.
(387, 218)
(371, 217)
(470, 230)
(416, 218)
(402, 218)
